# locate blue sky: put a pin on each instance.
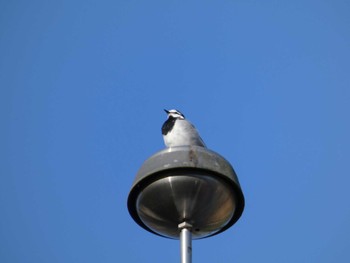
(83, 85)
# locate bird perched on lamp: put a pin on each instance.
(177, 131)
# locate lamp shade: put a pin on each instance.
(186, 184)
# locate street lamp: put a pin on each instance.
(186, 192)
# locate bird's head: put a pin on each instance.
(175, 114)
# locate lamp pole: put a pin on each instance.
(186, 242)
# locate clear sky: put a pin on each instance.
(83, 85)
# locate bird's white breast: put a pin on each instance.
(183, 133)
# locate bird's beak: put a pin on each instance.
(167, 112)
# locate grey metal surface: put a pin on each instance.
(204, 201)
(185, 242)
(187, 183)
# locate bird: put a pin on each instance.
(178, 131)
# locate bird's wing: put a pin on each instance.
(195, 135)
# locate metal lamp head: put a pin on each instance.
(186, 184)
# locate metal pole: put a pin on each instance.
(186, 242)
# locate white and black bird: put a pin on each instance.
(177, 131)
